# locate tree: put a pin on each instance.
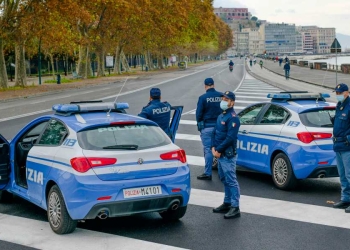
(254, 18)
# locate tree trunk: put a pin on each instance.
(117, 60)
(84, 69)
(52, 65)
(21, 77)
(3, 73)
(100, 61)
(160, 61)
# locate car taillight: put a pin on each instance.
(175, 155)
(308, 137)
(83, 164)
(123, 123)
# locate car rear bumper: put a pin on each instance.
(124, 208)
(324, 172)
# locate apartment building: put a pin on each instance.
(256, 40)
(280, 38)
(228, 14)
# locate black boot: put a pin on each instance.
(233, 213)
(347, 210)
(223, 208)
(341, 204)
(204, 177)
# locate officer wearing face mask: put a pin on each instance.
(207, 112)
(341, 146)
(224, 145)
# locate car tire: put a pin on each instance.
(5, 196)
(57, 214)
(173, 215)
(282, 172)
(215, 163)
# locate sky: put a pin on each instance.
(323, 13)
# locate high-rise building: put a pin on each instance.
(299, 43)
(280, 38)
(256, 40)
(320, 38)
(242, 39)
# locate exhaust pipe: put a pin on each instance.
(102, 215)
(321, 174)
(175, 205)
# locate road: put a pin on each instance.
(271, 218)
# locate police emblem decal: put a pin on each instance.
(140, 161)
(233, 124)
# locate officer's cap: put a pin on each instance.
(209, 81)
(229, 95)
(155, 93)
(341, 88)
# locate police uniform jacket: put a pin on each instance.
(159, 112)
(208, 108)
(226, 130)
(341, 127)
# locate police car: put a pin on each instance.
(91, 160)
(289, 137)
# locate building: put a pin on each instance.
(321, 39)
(299, 46)
(242, 39)
(280, 38)
(256, 40)
(227, 14)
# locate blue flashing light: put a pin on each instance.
(65, 108)
(325, 95)
(121, 105)
(297, 96)
(278, 96)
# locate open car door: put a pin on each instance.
(175, 121)
(4, 162)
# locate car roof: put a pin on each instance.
(81, 121)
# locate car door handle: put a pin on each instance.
(244, 132)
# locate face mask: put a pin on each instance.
(340, 98)
(224, 105)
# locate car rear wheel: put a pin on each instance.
(282, 172)
(5, 196)
(173, 215)
(57, 214)
(215, 163)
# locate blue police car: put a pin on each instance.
(289, 137)
(91, 160)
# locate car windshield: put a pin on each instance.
(318, 118)
(123, 137)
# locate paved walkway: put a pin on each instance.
(280, 81)
(314, 76)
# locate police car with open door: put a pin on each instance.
(93, 160)
(289, 137)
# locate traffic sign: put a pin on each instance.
(335, 48)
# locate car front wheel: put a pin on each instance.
(57, 214)
(282, 172)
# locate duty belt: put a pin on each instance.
(339, 139)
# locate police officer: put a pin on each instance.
(341, 146)
(208, 110)
(224, 144)
(157, 111)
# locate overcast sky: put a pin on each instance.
(323, 13)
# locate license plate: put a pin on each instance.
(142, 191)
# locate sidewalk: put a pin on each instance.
(313, 76)
(280, 81)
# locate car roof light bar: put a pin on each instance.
(300, 95)
(84, 107)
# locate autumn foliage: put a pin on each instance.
(80, 28)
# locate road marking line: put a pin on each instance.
(252, 97)
(187, 137)
(38, 234)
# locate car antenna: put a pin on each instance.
(108, 113)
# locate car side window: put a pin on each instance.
(274, 115)
(54, 133)
(249, 115)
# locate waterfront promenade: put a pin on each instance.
(318, 77)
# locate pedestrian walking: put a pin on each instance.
(280, 61)
(261, 64)
(207, 112)
(157, 111)
(224, 144)
(341, 146)
(286, 69)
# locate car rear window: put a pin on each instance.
(318, 118)
(144, 136)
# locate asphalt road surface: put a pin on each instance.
(271, 218)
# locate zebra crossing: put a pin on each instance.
(37, 234)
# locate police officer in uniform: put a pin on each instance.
(157, 111)
(224, 144)
(341, 146)
(208, 110)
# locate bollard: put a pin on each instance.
(58, 79)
